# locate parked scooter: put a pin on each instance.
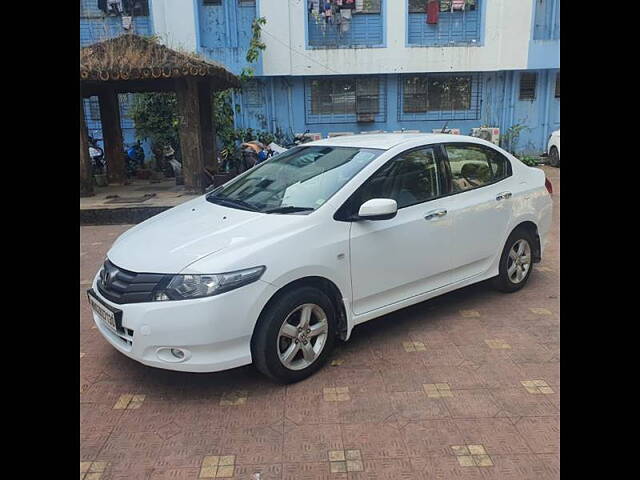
(300, 139)
(97, 156)
(134, 159)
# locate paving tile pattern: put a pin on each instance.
(465, 386)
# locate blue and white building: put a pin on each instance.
(383, 65)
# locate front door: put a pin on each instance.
(393, 260)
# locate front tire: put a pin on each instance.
(294, 335)
(516, 262)
(554, 157)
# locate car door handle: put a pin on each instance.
(435, 214)
(503, 196)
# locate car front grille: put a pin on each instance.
(123, 286)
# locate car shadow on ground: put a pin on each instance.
(430, 314)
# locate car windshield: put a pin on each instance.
(297, 181)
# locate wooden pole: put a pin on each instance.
(207, 126)
(86, 176)
(112, 136)
(190, 134)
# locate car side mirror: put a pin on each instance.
(378, 209)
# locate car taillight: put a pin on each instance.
(547, 184)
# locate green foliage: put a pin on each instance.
(529, 160)
(509, 140)
(155, 116)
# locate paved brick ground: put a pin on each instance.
(466, 386)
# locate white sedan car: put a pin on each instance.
(278, 263)
(553, 148)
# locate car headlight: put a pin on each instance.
(182, 287)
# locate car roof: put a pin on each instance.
(386, 141)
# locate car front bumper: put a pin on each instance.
(214, 333)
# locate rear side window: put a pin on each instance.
(474, 166)
(409, 179)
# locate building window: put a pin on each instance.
(455, 22)
(345, 99)
(424, 94)
(345, 23)
(247, 3)
(212, 2)
(439, 97)
(94, 109)
(557, 94)
(528, 83)
(134, 8)
(252, 93)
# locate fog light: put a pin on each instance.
(160, 297)
(179, 354)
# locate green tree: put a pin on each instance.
(155, 116)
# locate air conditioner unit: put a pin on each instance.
(490, 134)
(312, 136)
(339, 134)
(450, 131)
(366, 117)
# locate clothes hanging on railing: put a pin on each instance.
(433, 11)
(345, 17)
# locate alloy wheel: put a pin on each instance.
(302, 336)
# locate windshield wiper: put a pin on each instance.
(230, 202)
(288, 209)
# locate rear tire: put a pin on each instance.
(516, 262)
(285, 347)
(554, 157)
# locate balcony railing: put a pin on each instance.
(454, 26)
(355, 28)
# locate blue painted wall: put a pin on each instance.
(546, 20)
(282, 103)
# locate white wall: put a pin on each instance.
(506, 41)
(175, 22)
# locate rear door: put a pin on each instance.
(392, 260)
(482, 188)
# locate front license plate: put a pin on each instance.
(104, 313)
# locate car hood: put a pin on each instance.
(172, 240)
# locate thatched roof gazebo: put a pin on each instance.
(130, 63)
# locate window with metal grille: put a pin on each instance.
(420, 6)
(439, 96)
(135, 8)
(247, 3)
(434, 93)
(528, 83)
(252, 93)
(345, 99)
(94, 109)
(557, 94)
